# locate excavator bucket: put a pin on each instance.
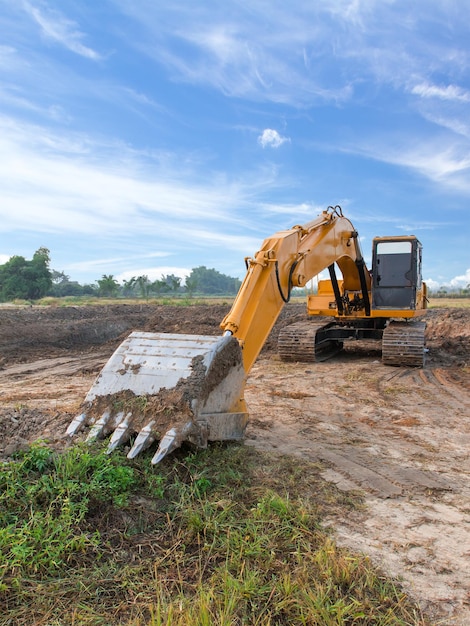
(167, 388)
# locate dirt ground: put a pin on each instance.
(399, 436)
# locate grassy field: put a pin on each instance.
(226, 536)
(443, 303)
(185, 301)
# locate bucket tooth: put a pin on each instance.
(175, 436)
(121, 434)
(76, 424)
(168, 443)
(143, 440)
(99, 430)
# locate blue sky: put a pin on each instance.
(151, 137)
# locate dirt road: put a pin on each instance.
(399, 436)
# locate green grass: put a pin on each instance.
(225, 536)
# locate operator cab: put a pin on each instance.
(396, 272)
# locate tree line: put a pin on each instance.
(22, 279)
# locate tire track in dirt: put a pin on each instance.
(399, 436)
(448, 382)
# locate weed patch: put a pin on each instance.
(224, 536)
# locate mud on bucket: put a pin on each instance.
(167, 387)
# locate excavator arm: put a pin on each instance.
(290, 259)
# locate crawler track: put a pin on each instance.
(302, 342)
(403, 344)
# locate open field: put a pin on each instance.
(461, 303)
(434, 303)
(396, 438)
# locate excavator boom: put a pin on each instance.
(290, 259)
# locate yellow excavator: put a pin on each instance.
(174, 388)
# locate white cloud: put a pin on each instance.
(270, 138)
(111, 262)
(75, 184)
(458, 282)
(70, 187)
(442, 160)
(154, 273)
(461, 281)
(305, 210)
(432, 285)
(304, 52)
(451, 92)
(58, 28)
(228, 49)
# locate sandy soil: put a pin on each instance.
(399, 436)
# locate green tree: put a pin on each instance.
(191, 285)
(27, 280)
(89, 290)
(144, 284)
(59, 278)
(63, 286)
(108, 286)
(160, 286)
(212, 282)
(128, 286)
(39, 274)
(13, 283)
(172, 281)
